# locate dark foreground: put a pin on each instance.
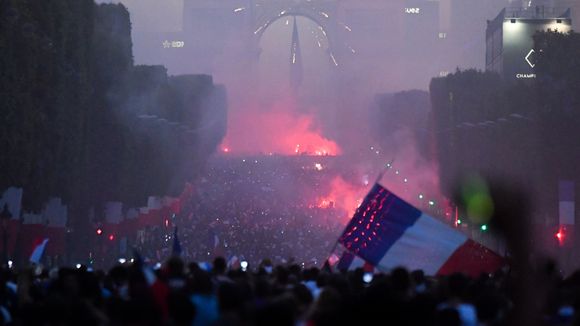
(187, 294)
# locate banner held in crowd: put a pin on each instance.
(387, 232)
(38, 251)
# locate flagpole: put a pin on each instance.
(384, 170)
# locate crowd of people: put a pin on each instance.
(199, 294)
(254, 208)
(283, 207)
(252, 250)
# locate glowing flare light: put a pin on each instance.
(289, 134)
(342, 195)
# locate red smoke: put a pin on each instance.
(279, 130)
(342, 195)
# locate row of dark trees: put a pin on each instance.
(399, 120)
(521, 132)
(80, 121)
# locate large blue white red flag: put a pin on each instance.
(387, 232)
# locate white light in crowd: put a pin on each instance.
(431, 203)
(397, 172)
(244, 265)
(367, 277)
(132, 260)
(10, 264)
(122, 260)
(157, 266)
(420, 196)
(405, 180)
(78, 266)
(318, 166)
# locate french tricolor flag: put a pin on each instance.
(387, 232)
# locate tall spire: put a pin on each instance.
(295, 59)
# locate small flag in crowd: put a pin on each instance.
(176, 250)
(38, 251)
(234, 263)
(387, 232)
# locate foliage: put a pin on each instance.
(70, 101)
(523, 132)
(394, 116)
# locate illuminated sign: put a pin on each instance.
(413, 11)
(527, 58)
(510, 43)
(525, 76)
(173, 44)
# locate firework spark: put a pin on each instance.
(333, 59)
(346, 27)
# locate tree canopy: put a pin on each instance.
(521, 131)
(80, 121)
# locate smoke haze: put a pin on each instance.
(382, 47)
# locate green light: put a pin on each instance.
(484, 227)
(431, 203)
(478, 202)
(458, 221)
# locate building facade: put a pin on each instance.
(509, 39)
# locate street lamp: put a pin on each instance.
(5, 215)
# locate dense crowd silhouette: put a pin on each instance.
(179, 293)
(250, 208)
